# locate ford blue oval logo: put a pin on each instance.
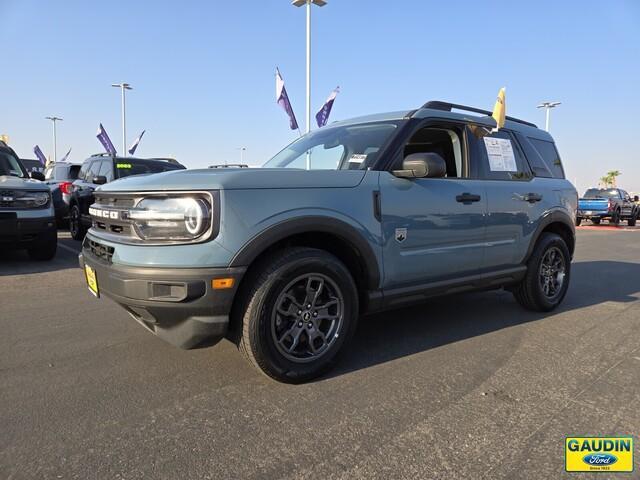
(600, 459)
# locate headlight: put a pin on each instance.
(31, 199)
(172, 218)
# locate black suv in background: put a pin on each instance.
(100, 169)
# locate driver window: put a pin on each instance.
(445, 142)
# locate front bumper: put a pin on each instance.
(24, 231)
(179, 305)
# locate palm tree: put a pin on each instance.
(613, 174)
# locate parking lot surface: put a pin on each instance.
(469, 386)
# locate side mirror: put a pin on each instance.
(100, 180)
(421, 165)
(636, 198)
(37, 175)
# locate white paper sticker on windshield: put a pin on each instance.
(357, 158)
(500, 153)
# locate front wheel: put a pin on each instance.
(298, 311)
(548, 272)
(578, 221)
(76, 228)
(632, 221)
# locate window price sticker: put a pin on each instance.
(500, 153)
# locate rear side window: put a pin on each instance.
(550, 156)
(498, 157)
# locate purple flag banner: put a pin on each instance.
(64, 159)
(322, 117)
(40, 155)
(134, 145)
(282, 99)
(106, 141)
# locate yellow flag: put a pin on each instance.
(499, 109)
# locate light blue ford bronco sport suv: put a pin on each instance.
(356, 217)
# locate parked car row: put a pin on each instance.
(612, 204)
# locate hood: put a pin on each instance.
(237, 179)
(9, 181)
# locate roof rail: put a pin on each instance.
(103, 154)
(447, 107)
(230, 165)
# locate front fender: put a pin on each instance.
(356, 235)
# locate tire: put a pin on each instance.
(578, 221)
(615, 218)
(632, 221)
(76, 228)
(595, 221)
(530, 293)
(45, 247)
(276, 325)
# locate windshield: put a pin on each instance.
(598, 193)
(129, 167)
(10, 165)
(348, 147)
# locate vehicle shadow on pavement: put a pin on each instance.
(394, 334)
(17, 262)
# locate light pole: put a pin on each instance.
(300, 3)
(54, 119)
(123, 86)
(548, 106)
(242, 150)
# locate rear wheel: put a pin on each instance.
(45, 247)
(76, 228)
(548, 272)
(578, 221)
(297, 313)
(615, 218)
(595, 221)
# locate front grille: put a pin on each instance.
(120, 204)
(113, 201)
(103, 252)
(11, 199)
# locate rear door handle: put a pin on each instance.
(529, 197)
(467, 198)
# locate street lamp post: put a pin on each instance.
(300, 3)
(54, 119)
(548, 106)
(123, 86)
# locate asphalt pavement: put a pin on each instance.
(463, 387)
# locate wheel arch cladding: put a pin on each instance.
(334, 236)
(557, 222)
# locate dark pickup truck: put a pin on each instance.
(613, 204)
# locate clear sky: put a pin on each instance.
(203, 71)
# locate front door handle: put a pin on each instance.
(529, 197)
(467, 198)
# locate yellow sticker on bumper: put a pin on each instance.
(92, 280)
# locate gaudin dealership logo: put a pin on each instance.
(598, 454)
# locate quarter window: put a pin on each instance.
(549, 154)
